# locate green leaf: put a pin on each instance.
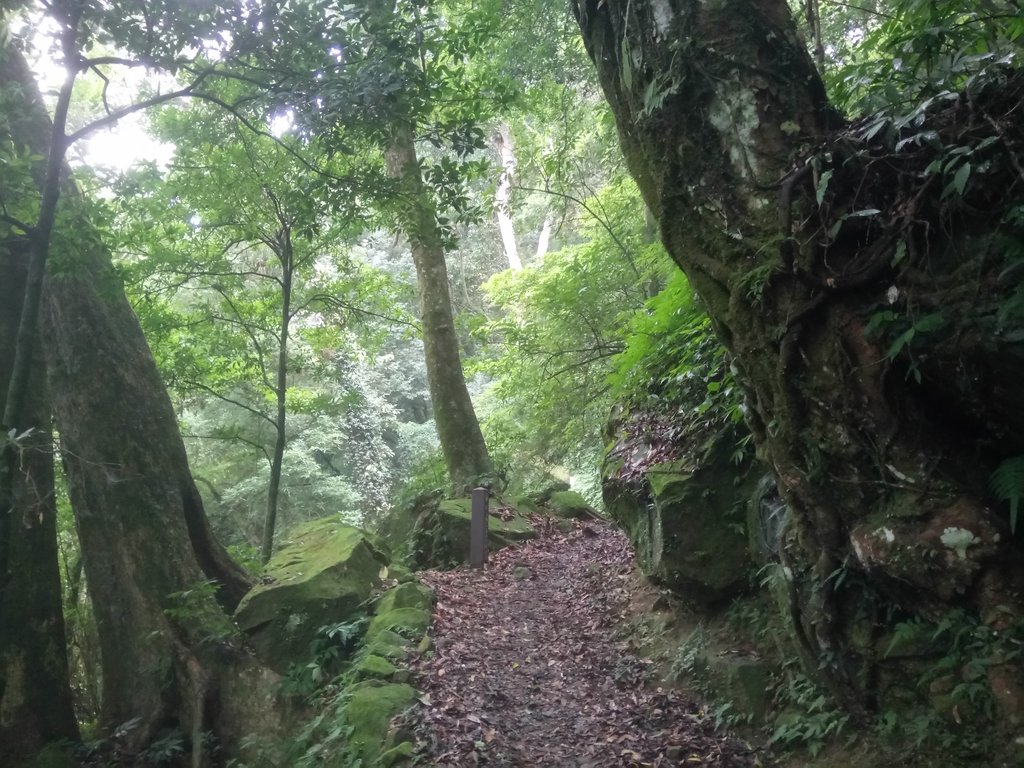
(1007, 484)
(823, 186)
(960, 180)
(900, 254)
(901, 341)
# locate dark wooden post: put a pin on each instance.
(478, 529)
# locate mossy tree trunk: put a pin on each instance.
(718, 105)
(462, 442)
(168, 661)
(35, 694)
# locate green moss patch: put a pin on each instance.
(570, 504)
(373, 667)
(409, 623)
(371, 706)
(409, 595)
(388, 644)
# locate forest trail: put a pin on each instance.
(530, 670)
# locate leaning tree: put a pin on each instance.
(866, 278)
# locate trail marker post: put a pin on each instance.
(478, 528)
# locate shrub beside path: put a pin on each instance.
(530, 667)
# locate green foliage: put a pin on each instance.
(330, 654)
(906, 333)
(1007, 483)
(427, 476)
(196, 610)
(690, 663)
(166, 750)
(810, 718)
(563, 324)
(910, 51)
(677, 373)
(956, 685)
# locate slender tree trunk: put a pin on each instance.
(144, 535)
(281, 394)
(543, 240)
(813, 13)
(503, 196)
(35, 694)
(873, 464)
(462, 441)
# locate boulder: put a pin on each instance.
(322, 576)
(409, 623)
(407, 595)
(441, 535)
(686, 518)
(373, 667)
(387, 643)
(571, 505)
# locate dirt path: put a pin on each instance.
(528, 670)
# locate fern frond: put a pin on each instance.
(1007, 484)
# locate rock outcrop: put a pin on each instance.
(324, 573)
(685, 511)
(441, 535)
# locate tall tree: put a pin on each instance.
(247, 243)
(258, 216)
(383, 82)
(140, 519)
(35, 694)
(462, 441)
(865, 301)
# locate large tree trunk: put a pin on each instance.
(35, 694)
(462, 442)
(168, 661)
(882, 460)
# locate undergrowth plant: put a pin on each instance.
(330, 653)
(810, 718)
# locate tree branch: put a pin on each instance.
(214, 393)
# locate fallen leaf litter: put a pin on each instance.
(527, 668)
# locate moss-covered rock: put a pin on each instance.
(698, 542)
(408, 595)
(323, 574)
(371, 706)
(441, 535)
(388, 644)
(374, 667)
(409, 623)
(397, 755)
(569, 504)
(686, 519)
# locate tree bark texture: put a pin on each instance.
(462, 442)
(880, 458)
(35, 694)
(148, 547)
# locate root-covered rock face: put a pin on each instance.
(866, 278)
